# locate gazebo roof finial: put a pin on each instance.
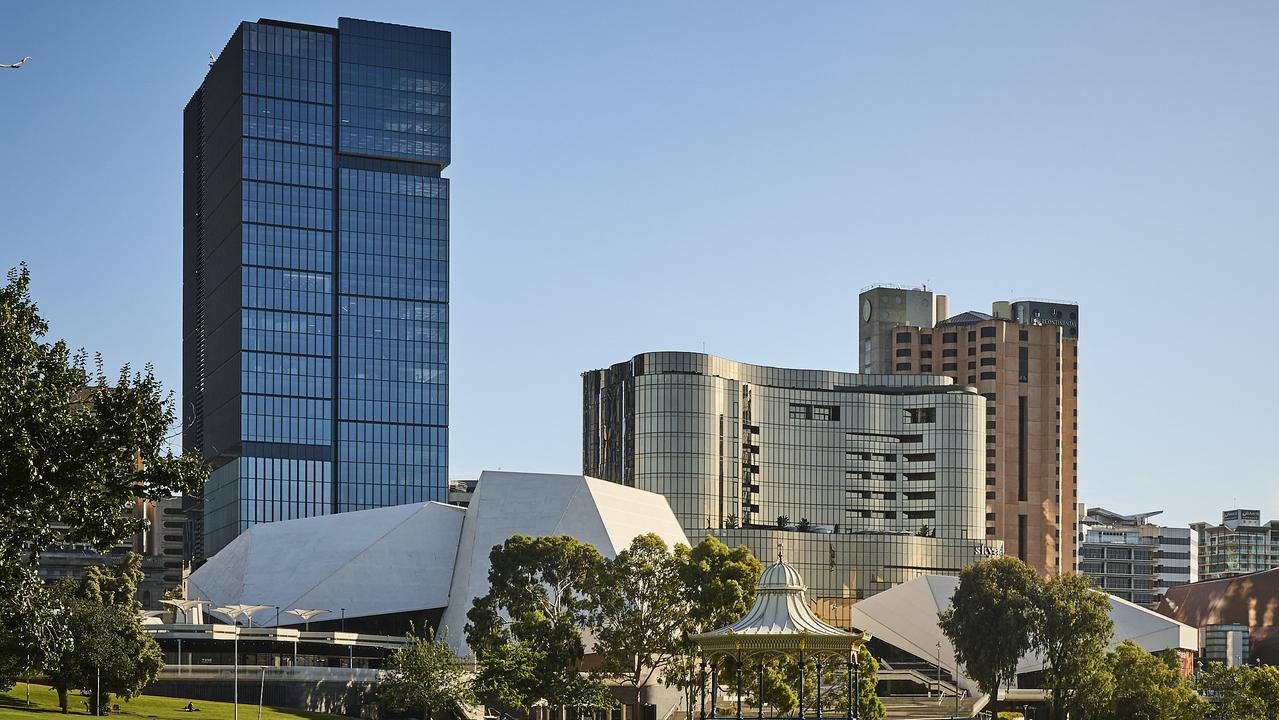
(779, 551)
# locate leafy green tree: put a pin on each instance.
(642, 615)
(508, 676)
(74, 451)
(1231, 691)
(991, 619)
(425, 675)
(108, 647)
(719, 585)
(542, 593)
(1265, 685)
(1095, 685)
(1072, 629)
(1147, 688)
(719, 582)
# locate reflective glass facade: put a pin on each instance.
(866, 480)
(316, 307)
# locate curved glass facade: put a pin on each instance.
(867, 479)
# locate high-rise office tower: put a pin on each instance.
(1024, 358)
(315, 278)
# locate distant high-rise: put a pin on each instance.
(1240, 545)
(1134, 559)
(315, 274)
(884, 308)
(1024, 358)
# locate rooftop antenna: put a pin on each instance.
(212, 59)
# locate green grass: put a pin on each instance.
(44, 706)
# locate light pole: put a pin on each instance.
(261, 691)
(939, 693)
(236, 663)
(343, 619)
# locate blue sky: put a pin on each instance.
(662, 175)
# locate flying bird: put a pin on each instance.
(16, 65)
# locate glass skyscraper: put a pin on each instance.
(315, 279)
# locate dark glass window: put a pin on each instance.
(949, 352)
(988, 361)
(949, 337)
(988, 331)
(903, 366)
(925, 339)
(988, 376)
(903, 352)
(1023, 335)
(903, 337)
(988, 347)
(948, 367)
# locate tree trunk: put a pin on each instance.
(62, 698)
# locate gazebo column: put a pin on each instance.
(739, 681)
(819, 688)
(714, 688)
(857, 680)
(701, 687)
(849, 681)
(801, 684)
(760, 699)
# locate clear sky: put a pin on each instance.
(670, 175)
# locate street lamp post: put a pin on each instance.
(939, 692)
(236, 664)
(261, 691)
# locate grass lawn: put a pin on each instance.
(44, 706)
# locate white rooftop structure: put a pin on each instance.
(906, 618)
(425, 556)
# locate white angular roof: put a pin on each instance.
(906, 618)
(424, 556)
(371, 562)
(600, 513)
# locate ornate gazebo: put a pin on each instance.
(781, 624)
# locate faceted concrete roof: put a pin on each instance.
(604, 514)
(371, 562)
(423, 556)
(906, 618)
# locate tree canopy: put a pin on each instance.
(1072, 628)
(425, 675)
(991, 618)
(541, 596)
(1147, 688)
(643, 614)
(107, 644)
(75, 451)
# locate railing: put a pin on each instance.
(300, 673)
